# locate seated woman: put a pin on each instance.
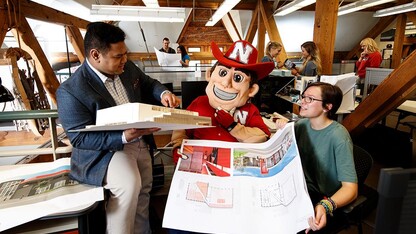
(311, 65)
(370, 57)
(184, 56)
(273, 50)
(326, 151)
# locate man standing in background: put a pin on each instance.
(166, 47)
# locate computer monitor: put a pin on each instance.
(191, 90)
(396, 209)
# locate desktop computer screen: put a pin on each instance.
(396, 209)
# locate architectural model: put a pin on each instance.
(139, 115)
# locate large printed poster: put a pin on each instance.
(224, 187)
(32, 191)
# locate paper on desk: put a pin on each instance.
(42, 190)
(166, 59)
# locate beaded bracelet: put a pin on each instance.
(328, 204)
(334, 205)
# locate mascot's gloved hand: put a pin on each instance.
(176, 154)
(225, 119)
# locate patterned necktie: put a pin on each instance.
(117, 91)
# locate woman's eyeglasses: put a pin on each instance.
(309, 99)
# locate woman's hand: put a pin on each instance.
(295, 71)
(280, 123)
(319, 221)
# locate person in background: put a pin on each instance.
(166, 47)
(326, 152)
(184, 56)
(311, 65)
(370, 57)
(120, 161)
(272, 52)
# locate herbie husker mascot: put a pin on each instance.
(232, 81)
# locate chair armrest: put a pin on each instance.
(356, 203)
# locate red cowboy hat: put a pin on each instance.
(242, 55)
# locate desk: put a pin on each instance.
(86, 219)
(43, 190)
(266, 100)
(176, 75)
(406, 109)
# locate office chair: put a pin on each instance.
(366, 200)
(374, 77)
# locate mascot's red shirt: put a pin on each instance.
(247, 115)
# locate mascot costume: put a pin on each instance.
(232, 81)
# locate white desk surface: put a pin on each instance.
(408, 105)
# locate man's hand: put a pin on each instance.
(224, 118)
(134, 133)
(170, 100)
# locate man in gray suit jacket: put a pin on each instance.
(119, 161)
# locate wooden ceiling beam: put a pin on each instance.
(29, 43)
(40, 12)
(261, 34)
(271, 27)
(252, 28)
(324, 32)
(77, 41)
(232, 27)
(398, 41)
(185, 27)
(4, 25)
(411, 16)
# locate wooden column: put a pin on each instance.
(326, 15)
(252, 28)
(261, 34)
(3, 25)
(75, 37)
(271, 27)
(29, 43)
(398, 41)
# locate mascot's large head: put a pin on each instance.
(232, 81)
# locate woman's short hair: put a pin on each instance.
(330, 94)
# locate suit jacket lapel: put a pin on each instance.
(131, 83)
(97, 85)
